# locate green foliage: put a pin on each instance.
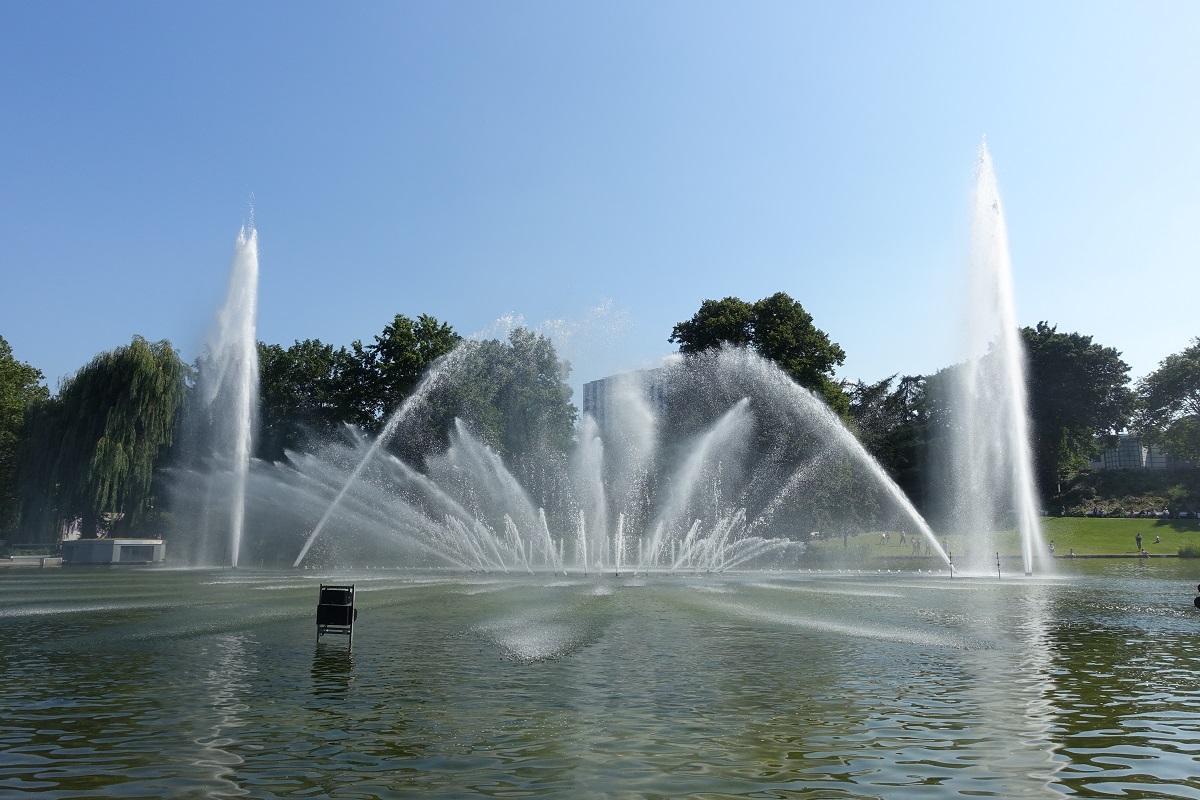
(512, 394)
(892, 425)
(381, 375)
(302, 395)
(20, 388)
(309, 389)
(1116, 492)
(1170, 404)
(533, 397)
(718, 322)
(1078, 390)
(90, 452)
(779, 329)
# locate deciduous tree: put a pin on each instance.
(20, 387)
(892, 424)
(512, 393)
(1170, 404)
(1078, 390)
(779, 329)
(386, 371)
(91, 451)
(301, 394)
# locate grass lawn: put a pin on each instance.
(1104, 536)
(1087, 536)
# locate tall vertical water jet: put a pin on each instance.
(228, 393)
(587, 472)
(991, 455)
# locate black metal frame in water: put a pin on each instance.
(336, 613)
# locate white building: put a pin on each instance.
(1132, 453)
(599, 396)
(113, 551)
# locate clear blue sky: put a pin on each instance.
(472, 160)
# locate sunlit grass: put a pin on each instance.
(1087, 536)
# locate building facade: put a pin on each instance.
(1132, 453)
(601, 397)
(113, 551)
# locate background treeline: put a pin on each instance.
(92, 455)
(1080, 397)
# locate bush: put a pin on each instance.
(1119, 492)
(1189, 551)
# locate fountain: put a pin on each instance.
(731, 465)
(711, 462)
(990, 456)
(219, 427)
(800, 683)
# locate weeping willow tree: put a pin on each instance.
(89, 453)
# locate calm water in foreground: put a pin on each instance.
(143, 682)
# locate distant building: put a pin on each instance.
(113, 551)
(1132, 453)
(600, 396)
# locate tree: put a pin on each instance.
(718, 322)
(513, 394)
(385, 372)
(779, 329)
(1078, 390)
(1170, 404)
(534, 400)
(301, 394)
(310, 388)
(20, 387)
(91, 451)
(892, 425)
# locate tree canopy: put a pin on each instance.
(301, 394)
(892, 424)
(310, 388)
(1170, 404)
(386, 371)
(512, 393)
(779, 329)
(20, 387)
(1078, 390)
(89, 452)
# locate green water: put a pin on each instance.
(151, 682)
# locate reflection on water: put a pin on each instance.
(159, 683)
(332, 670)
(1129, 688)
(226, 684)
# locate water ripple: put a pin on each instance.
(793, 686)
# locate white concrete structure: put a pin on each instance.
(113, 551)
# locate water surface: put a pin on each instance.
(154, 682)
